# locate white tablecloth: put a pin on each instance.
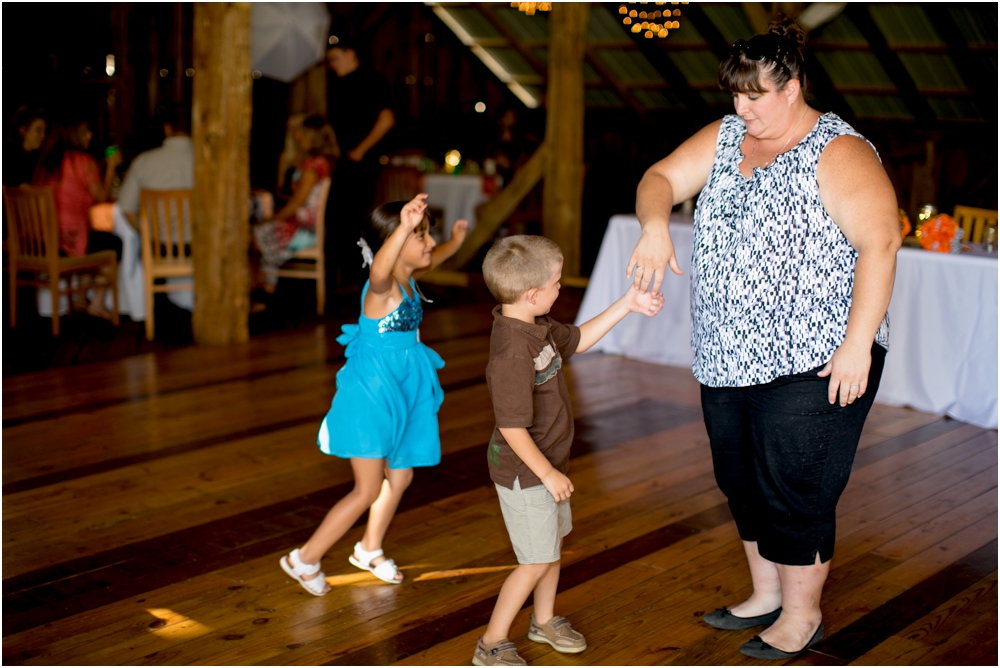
(457, 195)
(942, 337)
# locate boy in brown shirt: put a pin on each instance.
(528, 454)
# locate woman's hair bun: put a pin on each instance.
(787, 28)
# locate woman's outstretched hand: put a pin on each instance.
(649, 261)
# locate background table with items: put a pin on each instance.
(943, 323)
(457, 195)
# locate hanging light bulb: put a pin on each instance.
(650, 24)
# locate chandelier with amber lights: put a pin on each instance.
(530, 8)
(656, 23)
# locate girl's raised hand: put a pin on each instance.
(459, 230)
(413, 212)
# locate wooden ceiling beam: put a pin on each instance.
(893, 66)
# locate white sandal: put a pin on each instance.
(386, 571)
(314, 586)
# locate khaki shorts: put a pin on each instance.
(535, 522)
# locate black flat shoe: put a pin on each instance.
(727, 621)
(758, 649)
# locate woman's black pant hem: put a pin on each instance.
(783, 455)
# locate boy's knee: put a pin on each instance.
(537, 571)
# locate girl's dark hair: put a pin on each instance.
(777, 53)
(63, 137)
(382, 222)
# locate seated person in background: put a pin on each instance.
(293, 227)
(75, 179)
(169, 167)
(20, 156)
(289, 158)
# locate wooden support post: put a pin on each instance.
(562, 206)
(221, 135)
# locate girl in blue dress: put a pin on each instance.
(384, 413)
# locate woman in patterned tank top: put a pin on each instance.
(793, 265)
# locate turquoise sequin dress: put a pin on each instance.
(388, 393)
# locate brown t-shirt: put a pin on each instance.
(528, 390)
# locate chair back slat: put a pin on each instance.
(972, 220)
(31, 215)
(165, 224)
(324, 194)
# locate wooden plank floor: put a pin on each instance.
(147, 501)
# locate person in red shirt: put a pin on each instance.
(77, 184)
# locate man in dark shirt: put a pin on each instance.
(359, 107)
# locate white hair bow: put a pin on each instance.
(366, 253)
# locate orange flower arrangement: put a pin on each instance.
(904, 224)
(937, 233)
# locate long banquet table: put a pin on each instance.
(943, 323)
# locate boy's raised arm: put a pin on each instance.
(634, 301)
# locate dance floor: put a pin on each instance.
(147, 501)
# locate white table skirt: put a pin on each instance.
(457, 195)
(942, 337)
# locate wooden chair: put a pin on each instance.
(33, 247)
(165, 228)
(310, 263)
(972, 221)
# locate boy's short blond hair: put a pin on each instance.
(518, 263)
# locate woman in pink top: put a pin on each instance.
(75, 179)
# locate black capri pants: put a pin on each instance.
(782, 456)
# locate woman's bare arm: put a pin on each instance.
(857, 194)
(678, 177)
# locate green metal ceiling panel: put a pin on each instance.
(904, 24)
(589, 73)
(698, 67)
(627, 65)
(474, 23)
(978, 23)
(841, 30)
(728, 18)
(717, 98)
(602, 97)
(657, 99)
(512, 61)
(686, 34)
(522, 25)
(954, 109)
(605, 27)
(853, 68)
(932, 70)
(878, 106)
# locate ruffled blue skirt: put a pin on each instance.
(387, 399)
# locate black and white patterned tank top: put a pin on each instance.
(772, 275)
